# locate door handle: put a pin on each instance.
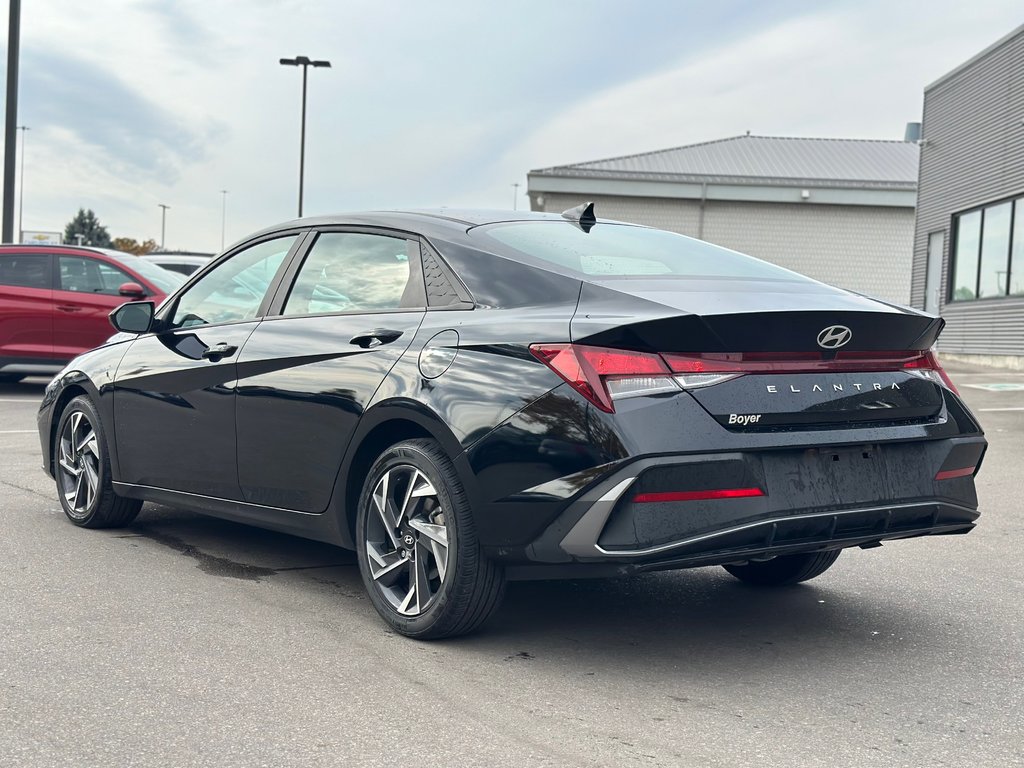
(68, 308)
(374, 338)
(218, 351)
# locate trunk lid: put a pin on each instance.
(791, 355)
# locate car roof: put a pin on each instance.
(66, 248)
(443, 222)
(170, 257)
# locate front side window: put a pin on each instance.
(83, 275)
(234, 289)
(28, 270)
(353, 272)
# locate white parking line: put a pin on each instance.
(16, 431)
(17, 400)
(989, 410)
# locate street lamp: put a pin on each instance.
(163, 223)
(21, 184)
(305, 62)
(223, 215)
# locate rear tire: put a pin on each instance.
(419, 555)
(787, 569)
(82, 470)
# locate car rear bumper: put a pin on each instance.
(662, 512)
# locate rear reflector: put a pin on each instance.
(721, 493)
(949, 474)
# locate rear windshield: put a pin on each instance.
(622, 250)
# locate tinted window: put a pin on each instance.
(31, 270)
(618, 250)
(965, 257)
(995, 249)
(234, 289)
(352, 272)
(1017, 251)
(84, 275)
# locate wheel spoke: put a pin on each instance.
(71, 469)
(75, 499)
(385, 567)
(421, 580)
(92, 480)
(91, 444)
(432, 531)
(440, 558)
(403, 512)
(382, 502)
(406, 604)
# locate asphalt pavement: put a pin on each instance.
(188, 641)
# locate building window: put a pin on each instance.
(988, 252)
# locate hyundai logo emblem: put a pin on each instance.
(834, 336)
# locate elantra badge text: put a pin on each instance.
(774, 388)
(834, 337)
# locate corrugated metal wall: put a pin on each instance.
(973, 153)
(864, 249)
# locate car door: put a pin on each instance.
(174, 396)
(85, 293)
(26, 308)
(306, 374)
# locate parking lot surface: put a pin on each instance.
(188, 641)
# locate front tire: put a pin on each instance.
(419, 555)
(82, 470)
(787, 569)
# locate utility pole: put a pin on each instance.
(223, 215)
(21, 185)
(515, 196)
(10, 138)
(163, 223)
(305, 62)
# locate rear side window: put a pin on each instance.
(90, 276)
(621, 250)
(30, 270)
(353, 272)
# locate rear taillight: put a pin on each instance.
(603, 375)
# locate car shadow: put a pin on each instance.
(631, 624)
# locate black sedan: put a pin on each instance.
(466, 398)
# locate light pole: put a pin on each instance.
(163, 223)
(11, 122)
(515, 196)
(305, 62)
(223, 215)
(21, 184)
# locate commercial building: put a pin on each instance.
(969, 239)
(839, 210)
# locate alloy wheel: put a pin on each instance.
(79, 465)
(407, 540)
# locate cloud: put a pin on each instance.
(103, 115)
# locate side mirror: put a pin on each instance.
(134, 317)
(132, 290)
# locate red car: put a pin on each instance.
(54, 302)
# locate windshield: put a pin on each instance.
(623, 250)
(165, 280)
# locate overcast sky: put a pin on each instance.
(132, 104)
